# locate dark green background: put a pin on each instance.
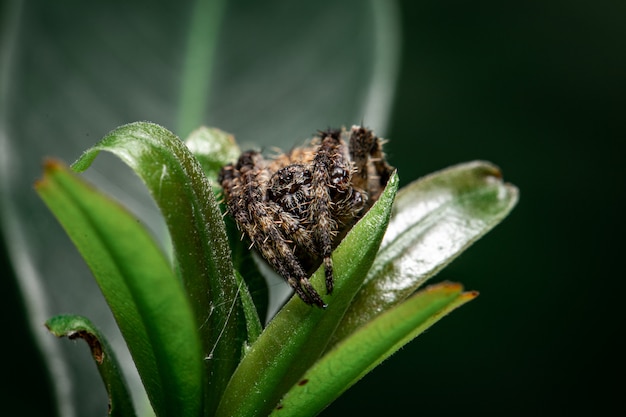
(538, 88)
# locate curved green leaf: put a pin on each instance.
(73, 327)
(181, 190)
(366, 348)
(297, 335)
(145, 296)
(434, 219)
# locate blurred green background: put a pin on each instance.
(539, 88)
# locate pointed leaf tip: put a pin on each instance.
(434, 219)
(356, 355)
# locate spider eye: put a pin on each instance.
(285, 176)
(338, 175)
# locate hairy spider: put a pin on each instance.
(296, 207)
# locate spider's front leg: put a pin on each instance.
(267, 236)
(244, 185)
(331, 173)
(279, 252)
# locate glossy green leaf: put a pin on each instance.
(145, 296)
(78, 327)
(297, 335)
(434, 219)
(366, 348)
(181, 190)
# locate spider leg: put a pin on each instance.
(371, 169)
(328, 171)
(281, 255)
(296, 207)
(291, 226)
(258, 220)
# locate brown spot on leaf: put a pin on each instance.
(92, 341)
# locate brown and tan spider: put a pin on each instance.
(296, 207)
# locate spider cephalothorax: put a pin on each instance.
(296, 207)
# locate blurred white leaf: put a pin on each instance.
(72, 71)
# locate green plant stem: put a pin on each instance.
(195, 89)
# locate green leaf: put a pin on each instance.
(366, 348)
(145, 296)
(434, 219)
(215, 148)
(243, 260)
(264, 87)
(73, 327)
(298, 334)
(181, 190)
(253, 322)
